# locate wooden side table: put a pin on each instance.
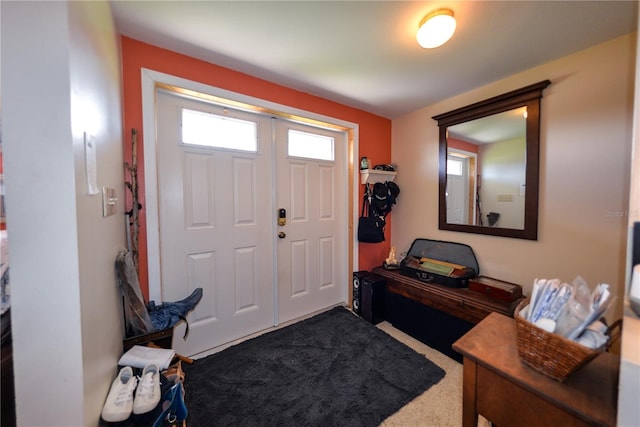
(498, 385)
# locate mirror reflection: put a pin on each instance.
(486, 170)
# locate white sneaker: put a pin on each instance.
(120, 398)
(148, 392)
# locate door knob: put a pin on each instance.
(282, 235)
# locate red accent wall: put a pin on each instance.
(374, 131)
(462, 145)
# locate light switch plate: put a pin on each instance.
(109, 201)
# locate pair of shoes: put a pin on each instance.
(119, 403)
(148, 392)
(120, 400)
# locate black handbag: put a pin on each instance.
(371, 226)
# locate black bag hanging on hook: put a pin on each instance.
(371, 226)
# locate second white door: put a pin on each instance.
(312, 253)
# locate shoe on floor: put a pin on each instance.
(119, 401)
(148, 392)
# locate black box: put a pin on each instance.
(436, 261)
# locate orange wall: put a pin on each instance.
(374, 131)
(462, 145)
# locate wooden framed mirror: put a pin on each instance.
(489, 165)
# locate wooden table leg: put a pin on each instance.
(469, 407)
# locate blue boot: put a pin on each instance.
(168, 314)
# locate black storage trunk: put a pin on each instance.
(445, 263)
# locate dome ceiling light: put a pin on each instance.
(436, 28)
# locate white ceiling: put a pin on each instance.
(364, 53)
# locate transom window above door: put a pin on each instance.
(215, 131)
(454, 167)
(310, 145)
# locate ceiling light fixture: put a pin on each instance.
(436, 28)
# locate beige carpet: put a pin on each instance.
(441, 405)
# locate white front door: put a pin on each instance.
(216, 231)
(218, 223)
(312, 251)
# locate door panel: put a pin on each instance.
(312, 258)
(213, 230)
(198, 193)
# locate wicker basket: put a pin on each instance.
(551, 354)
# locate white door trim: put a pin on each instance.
(150, 79)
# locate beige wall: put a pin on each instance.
(586, 118)
(61, 78)
(96, 108)
(507, 157)
(628, 411)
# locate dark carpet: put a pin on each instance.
(334, 369)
